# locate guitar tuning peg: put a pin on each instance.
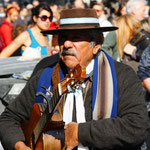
(43, 95)
(46, 97)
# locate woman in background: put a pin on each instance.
(128, 42)
(129, 26)
(121, 8)
(32, 37)
(116, 41)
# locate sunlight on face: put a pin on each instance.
(14, 16)
(140, 12)
(99, 10)
(43, 24)
(74, 47)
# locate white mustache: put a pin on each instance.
(69, 52)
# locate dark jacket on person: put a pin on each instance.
(144, 71)
(125, 132)
(144, 65)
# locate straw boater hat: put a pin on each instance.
(79, 19)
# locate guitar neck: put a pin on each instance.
(43, 123)
(54, 100)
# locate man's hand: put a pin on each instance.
(21, 146)
(71, 135)
(130, 50)
(146, 84)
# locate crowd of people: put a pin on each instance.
(110, 108)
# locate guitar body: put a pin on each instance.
(53, 138)
(50, 139)
(29, 126)
(49, 142)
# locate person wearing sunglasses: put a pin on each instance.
(33, 38)
(44, 18)
(100, 10)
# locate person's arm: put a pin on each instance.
(129, 129)
(17, 111)
(130, 50)
(17, 43)
(146, 84)
(134, 51)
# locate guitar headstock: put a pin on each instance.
(76, 75)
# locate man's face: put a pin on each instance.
(24, 12)
(141, 12)
(99, 10)
(14, 16)
(75, 49)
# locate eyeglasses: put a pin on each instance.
(44, 18)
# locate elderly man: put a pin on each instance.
(103, 108)
(136, 8)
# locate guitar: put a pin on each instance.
(40, 131)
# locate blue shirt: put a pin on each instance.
(35, 44)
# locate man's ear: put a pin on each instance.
(96, 48)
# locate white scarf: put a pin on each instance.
(80, 110)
